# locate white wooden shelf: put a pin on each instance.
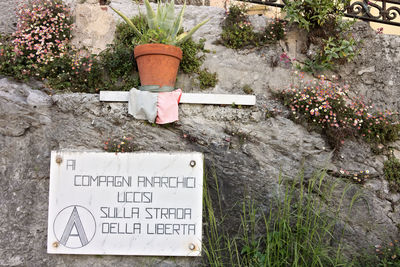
(189, 98)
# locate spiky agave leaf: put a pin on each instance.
(151, 16)
(164, 24)
(168, 20)
(159, 12)
(184, 36)
(178, 22)
(128, 21)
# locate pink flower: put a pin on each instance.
(379, 30)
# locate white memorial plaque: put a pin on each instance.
(125, 203)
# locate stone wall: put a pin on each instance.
(247, 148)
(8, 17)
(94, 27)
(375, 73)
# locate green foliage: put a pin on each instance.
(385, 255)
(118, 61)
(207, 79)
(11, 64)
(73, 72)
(236, 14)
(118, 68)
(237, 31)
(323, 19)
(247, 89)
(191, 60)
(113, 69)
(328, 107)
(311, 14)
(119, 145)
(313, 66)
(67, 69)
(238, 36)
(339, 49)
(391, 170)
(388, 255)
(334, 51)
(40, 49)
(275, 31)
(126, 36)
(296, 230)
(380, 127)
(163, 27)
(43, 32)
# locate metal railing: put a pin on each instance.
(381, 11)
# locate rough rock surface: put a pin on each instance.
(375, 72)
(246, 148)
(8, 22)
(94, 27)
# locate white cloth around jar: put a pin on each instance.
(142, 105)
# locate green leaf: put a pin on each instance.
(184, 36)
(167, 23)
(158, 15)
(178, 22)
(151, 15)
(128, 21)
(163, 26)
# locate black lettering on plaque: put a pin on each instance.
(74, 222)
(71, 164)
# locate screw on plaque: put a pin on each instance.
(58, 159)
(192, 246)
(192, 163)
(55, 244)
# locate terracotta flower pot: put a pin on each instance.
(158, 63)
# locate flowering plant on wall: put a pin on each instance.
(43, 30)
(40, 49)
(330, 107)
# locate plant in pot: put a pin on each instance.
(158, 55)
